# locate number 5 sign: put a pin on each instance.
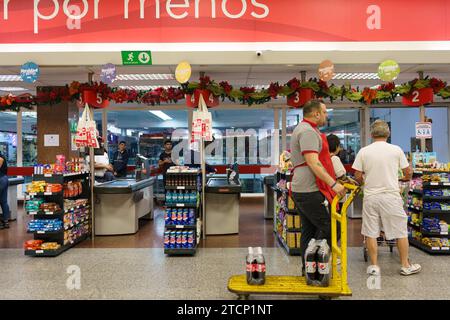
(418, 97)
(94, 99)
(423, 130)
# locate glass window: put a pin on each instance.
(439, 117)
(8, 136)
(402, 122)
(344, 123)
(29, 127)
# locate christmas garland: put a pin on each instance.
(244, 95)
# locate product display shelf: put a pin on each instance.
(430, 250)
(280, 227)
(58, 198)
(416, 191)
(54, 253)
(180, 181)
(426, 213)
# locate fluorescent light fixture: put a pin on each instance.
(160, 115)
(10, 77)
(356, 76)
(29, 115)
(145, 88)
(113, 129)
(145, 76)
(11, 89)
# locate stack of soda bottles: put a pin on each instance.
(317, 263)
(187, 197)
(183, 217)
(179, 239)
(256, 266)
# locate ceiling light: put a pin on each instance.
(10, 77)
(11, 89)
(160, 115)
(356, 76)
(153, 76)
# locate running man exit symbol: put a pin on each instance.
(136, 57)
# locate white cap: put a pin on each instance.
(250, 250)
(258, 250)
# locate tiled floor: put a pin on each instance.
(148, 274)
(135, 267)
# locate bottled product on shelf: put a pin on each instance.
(179, 239)
(75, 165)
(188, 197)
(179, 216)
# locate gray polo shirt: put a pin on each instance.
(304, 139)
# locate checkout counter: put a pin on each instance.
(222, 206)
(12, 195)
(120, 204)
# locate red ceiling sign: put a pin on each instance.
(175, 21)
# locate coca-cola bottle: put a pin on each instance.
(256, 266)
(311, 262)
(323, 264)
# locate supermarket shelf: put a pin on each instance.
(427, 249)
(44, 214)
(86, 218)
(54, 253)
(436, 212)
(65, 175)
(432, 198)
(431, 234)
(171, 226)
(436, 184)
(187, 173)
(49, 233)
(290, 251)
(77, 207)
(180, 252)
(430, 171)
(182, 205)
(182, 188)
(293, 230)
(415, 208)
(416, 191)
(44, 194)
(414, 225)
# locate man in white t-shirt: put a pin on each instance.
(377, 165)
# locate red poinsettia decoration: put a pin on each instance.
(369, 95)
(294, 84)
(247, 91)
(227, 88)
(274, 89)
(204, 82)
(437, 84)
(388, 87)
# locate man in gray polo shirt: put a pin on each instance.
(314, 181)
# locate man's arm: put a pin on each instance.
(359, 177)
(313, 162)
(407, 174)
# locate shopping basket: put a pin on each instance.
(296, 285)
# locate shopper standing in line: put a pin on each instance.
(378, 165)
(165, 159)
(120, 160)
(313, 183)
(4, 221)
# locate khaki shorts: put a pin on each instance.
(384, 212)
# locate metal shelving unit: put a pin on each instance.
(58, 198)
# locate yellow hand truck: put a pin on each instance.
(296, 285)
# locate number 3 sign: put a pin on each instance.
(419, 97)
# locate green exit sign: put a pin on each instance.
(135, 58)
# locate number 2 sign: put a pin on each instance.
(418, 97)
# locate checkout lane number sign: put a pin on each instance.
(423, 130)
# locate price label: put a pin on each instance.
(47, 193)
(39, 251)
(32, 213)
(434, 183)
(435, 248)
(181, 188)
(41, 232)
(49, 213)
(47, 175)
(179, 227)
(446, 183)
(445, 248)
(32, 193)
(180, 204)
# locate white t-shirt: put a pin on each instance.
(104, 159)
(339, 169)
(380, 162)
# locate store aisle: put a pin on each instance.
(148, 274)
(254, 231)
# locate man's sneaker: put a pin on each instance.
(412, 269)
(373, 270)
